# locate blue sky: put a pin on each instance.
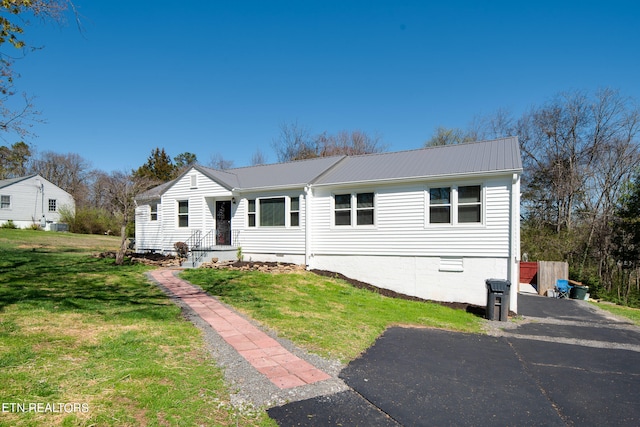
(220, 77)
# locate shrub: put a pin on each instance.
(9, 224)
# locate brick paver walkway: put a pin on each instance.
(283, 368)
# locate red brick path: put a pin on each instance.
(283, 368)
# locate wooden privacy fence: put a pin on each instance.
(546, 274)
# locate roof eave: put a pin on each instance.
(413, 179)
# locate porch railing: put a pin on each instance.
(200, 245)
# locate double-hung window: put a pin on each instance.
(294, 212)
(455, 205)
(469, 204)
(440, 205)
(358, 208)
(183, 213)
(251, 212)
(342, 209)
(5, 202)
(154, 211)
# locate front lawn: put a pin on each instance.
(85, 342)
(324, 315)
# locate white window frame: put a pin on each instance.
(5, 201)
(455, 205)
(53, 203)
(354, 209)
(180, 215)
(256, 214)
(153, 211)
(294, 212)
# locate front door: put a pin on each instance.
(223, 222)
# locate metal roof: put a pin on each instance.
(278, 175)
(498, 155)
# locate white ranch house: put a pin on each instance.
(433, 223)
(32, 200)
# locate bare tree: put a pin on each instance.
(258, 158)
(16, 15)
(448, 136)
(295, 143)
(219, 162)
(68, 171)
(122, 189)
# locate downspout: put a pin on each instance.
(307, 227)
(514, 244)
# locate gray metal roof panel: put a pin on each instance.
(293, 174)
(478, 157)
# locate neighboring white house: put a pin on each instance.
(32, 200)
(433, 223)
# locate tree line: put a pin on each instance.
(581, 160)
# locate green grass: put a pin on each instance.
(324, 315)
(79, 329)
(632, 314)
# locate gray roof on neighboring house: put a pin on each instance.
(473, 158)
(499, 155)
(11, 181)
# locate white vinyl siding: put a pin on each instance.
(271, 240)
(5, 202)
(402, 227)
(24, 202)
(161, 235)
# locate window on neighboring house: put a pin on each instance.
(154, 211)
(440, 205)
(272, 212)
(5, 202)
(294, 212)
(469, 204)
(364, 208)
(251, 213)
(52, 205)
(183, 213)
(342, 209)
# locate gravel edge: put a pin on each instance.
(249, 388)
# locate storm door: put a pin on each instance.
(223, 222)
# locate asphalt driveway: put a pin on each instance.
(566, 363)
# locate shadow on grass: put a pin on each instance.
(59, 280)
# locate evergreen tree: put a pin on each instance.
(159, 167)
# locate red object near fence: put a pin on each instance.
(529, 272)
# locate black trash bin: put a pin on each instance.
(498, 299)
